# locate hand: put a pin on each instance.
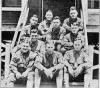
(48, 73)
(78, 71)
(24, 74)
(18, 75)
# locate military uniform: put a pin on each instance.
(38, 47)
(21, 63)
(49, 61)
(76, 60)
(44, 28)
(69, 21)
(68, 40)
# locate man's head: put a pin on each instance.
(56, 21)
(74, 29)
(25, 47)
(78, 44)
(50, 47)
(34, 20)
(24, 38)
(73, 12)
(33, 36)
(49, 15)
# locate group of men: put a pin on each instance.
(50, 49)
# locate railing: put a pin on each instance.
(21, 22)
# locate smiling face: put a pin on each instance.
(25, 47)
(49, 15)
(73, 14)
(34, 20)
(77, 45)
(34, 37)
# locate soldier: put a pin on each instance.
(57, 32)
(45, 25)
(36, 45)
(21, 66)
(73, 20)
(33, 25)
(49, 66)
(77, 63)
(68, 39)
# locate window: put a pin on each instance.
(94, 4)
(11, 3)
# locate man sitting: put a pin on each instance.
(76, 63)
(21, 66)
(68, 39)
(49, 65)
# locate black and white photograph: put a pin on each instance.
(49, 43)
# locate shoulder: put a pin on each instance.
(57, 53)
(67, 35)
(79, 19)
(66, 20)
(43, 22)
(40, 42)
(70, 52)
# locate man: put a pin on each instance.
(35, 44)
(49, 66)
(45, 25)
(22, 66)
(33, 25)
(77, 63)
(68, 39)
(73, 20)
(57, 32)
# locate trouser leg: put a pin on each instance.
(37, 79)
(30, 80)
(87, 78)
(59, 79)
(66, 78)
(10, 80)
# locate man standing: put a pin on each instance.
(49, 65)
(73, 20)
(21, 66)
(77, 63)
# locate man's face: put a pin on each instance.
(74, 29)
(56, 23)
(25, 47)
(73, 14)
(34, 37)
(50, 48)
(49, 15)
(78, 45)
(34, 21)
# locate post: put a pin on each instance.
(0, 36)
(42, 10)
(7, 60)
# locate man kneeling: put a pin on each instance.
(49, 65)
(76, 62)
(21, 66)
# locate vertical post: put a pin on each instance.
(7, 60)
(99, 53)
(42, 10)
(0, 36)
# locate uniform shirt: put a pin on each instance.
(38, 47)
(57, 33)
(75, 58)
(50, 60)
(22, 61)
(44, 27)
(68, 22)
(70, 38)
